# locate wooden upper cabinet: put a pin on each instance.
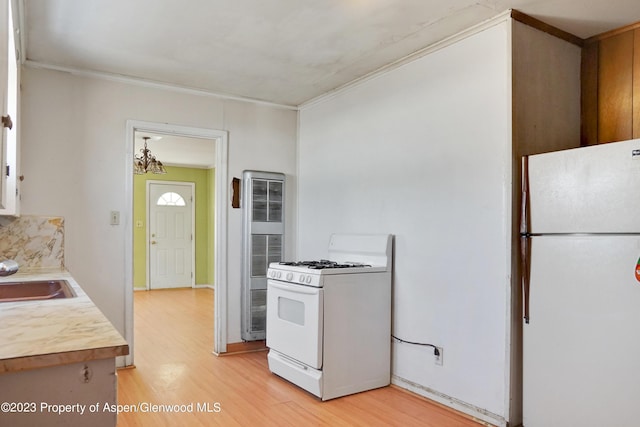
(615, 88)
(611, 87)
(636, 83)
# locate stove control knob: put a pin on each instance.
(279, 274)
(301, 279)
(289, 277)
(308, 279)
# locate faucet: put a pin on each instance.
(8, 267)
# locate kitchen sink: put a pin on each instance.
(35, 290)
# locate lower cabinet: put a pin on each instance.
(78, 394)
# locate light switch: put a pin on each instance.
(115, 217)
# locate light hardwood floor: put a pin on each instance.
(175, 366)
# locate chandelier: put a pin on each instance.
(147, 162)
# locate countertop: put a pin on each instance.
(40, 334)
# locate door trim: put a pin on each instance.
(149, 183)
(220, 227)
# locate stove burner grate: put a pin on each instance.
(323, 263)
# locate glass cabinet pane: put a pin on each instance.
(275, 201)
(258, 255)
(265, 248)
(258, 310)
(274, 248)
(260, 200)
(267, 200)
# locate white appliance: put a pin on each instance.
(581, 352)
(329, 322)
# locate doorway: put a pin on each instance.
(218, 254)
(171, 242)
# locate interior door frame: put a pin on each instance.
(219, 259)
(192, 185)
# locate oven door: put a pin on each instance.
(294, 321)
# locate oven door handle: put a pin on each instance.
(298, 289)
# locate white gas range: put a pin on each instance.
(329, 321)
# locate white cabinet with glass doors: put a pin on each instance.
(262, 243)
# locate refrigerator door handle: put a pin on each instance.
(525, 238)
(525, 267)
(525, 222)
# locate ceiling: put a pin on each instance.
(285, 52)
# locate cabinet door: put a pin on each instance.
(9, 78)
(615, 88)
(4, 44)
(636, 83)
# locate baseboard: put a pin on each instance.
(124, 368)
(196, 287)
(204, 287)
(244, 347)
(482, 416)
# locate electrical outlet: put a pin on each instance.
(438, 358)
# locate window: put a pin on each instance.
(170, 199)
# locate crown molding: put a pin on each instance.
(136, 81)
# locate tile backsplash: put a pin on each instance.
(35, 242)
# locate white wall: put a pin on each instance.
(73, 160)
(424, 152)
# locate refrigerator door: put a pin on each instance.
(586, 190)
(581, 352)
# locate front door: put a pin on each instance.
(170, 235)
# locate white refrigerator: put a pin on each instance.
(581, 282)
